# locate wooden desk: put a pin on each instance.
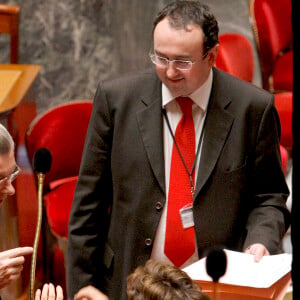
(18, 79)
(228, 292)
(245, 279)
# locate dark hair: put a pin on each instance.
(181, 13)
(160, 281)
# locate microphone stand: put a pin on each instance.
(41, 177)
(215, 290)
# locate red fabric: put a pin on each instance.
(56, 183)
(274, 32)
(27, 206)
(235, 56)
(284, 106)
(283, 72)
(180, 242)
(58, 204)
(284, 159)
(62, 130)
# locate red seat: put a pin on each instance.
(58, 210)
(272, 27)
(235, 56)
(284, 159)
(62, 130)
(284, 106)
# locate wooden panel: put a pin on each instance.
(21, 86)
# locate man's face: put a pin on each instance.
(7, 167)
(182, 44)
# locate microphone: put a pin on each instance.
(216, 263)
(42, 160)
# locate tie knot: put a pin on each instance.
(185, 105)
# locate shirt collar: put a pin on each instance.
(199, 97)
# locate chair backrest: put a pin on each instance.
(9, 24)
(272, 28)
(62, 130)
(284, 106)
(235, 56)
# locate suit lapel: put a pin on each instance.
(150, 124)
(215, 135)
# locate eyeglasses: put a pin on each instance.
(10, 177)
(182, 65)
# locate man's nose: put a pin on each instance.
(171, 70)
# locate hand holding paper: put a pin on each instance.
(258, 250)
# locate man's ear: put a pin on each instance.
(212, 55)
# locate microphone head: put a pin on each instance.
(42, 160)
(216, 263)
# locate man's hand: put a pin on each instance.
(11, 264)
(48, 293)
(258, 250)
(90, 293)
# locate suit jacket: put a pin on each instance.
(240, 191)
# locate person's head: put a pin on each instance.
(160, 281)
(8, 167)
(184, 30)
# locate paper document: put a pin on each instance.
(242, 270)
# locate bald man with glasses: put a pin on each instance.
(11, 261)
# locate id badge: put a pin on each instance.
(187, 217)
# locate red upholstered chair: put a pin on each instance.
(235, 55)
(284, 106)
(62, 130)
(284, 159)
(272, 27)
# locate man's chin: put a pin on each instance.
(177, 90)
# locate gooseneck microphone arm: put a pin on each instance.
(42, 160)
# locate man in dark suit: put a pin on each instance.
(119, 214)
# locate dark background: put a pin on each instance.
(296, 163)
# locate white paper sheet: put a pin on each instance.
(242, 270)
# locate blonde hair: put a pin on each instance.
(160, 281)
(6, 141)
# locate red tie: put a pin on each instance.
(179, 241)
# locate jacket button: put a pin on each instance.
(148, 242)
(158, 206)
